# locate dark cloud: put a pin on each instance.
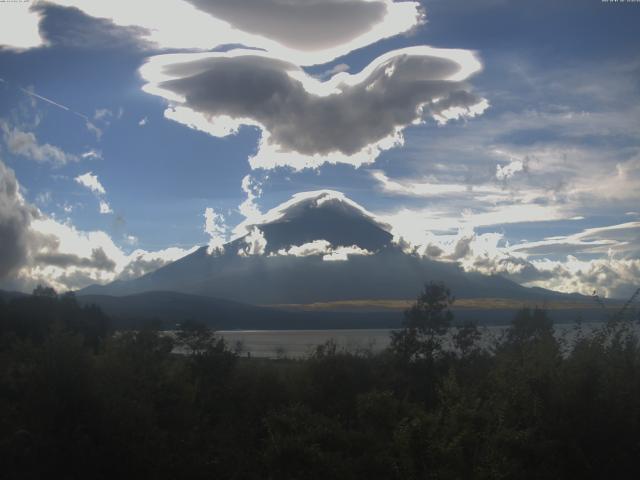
(395, 91)
(462, 248)
(15, 218)
(433, 251)
(98, 260)
(141, 265)
(300, 24)
(70, 27)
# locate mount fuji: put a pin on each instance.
(317, 247)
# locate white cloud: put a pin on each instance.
(93, 129)
(131, 239)
(255, 242)
(339, 68)
(431, 188)
(611, 277)
(317, 247)
(44, 198)
(105, 207)
(26, 144)
(620, 239)
(19, 26)
(325, 249)
(252, 189)
(143, 121)
(90, 181)
(509, 170)
(341, 254)
(416, 226)
(92, 154)
(215, 227)
(103, 114)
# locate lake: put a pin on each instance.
(300, 343)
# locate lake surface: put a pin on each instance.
(301, 343)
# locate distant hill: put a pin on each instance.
(171, 308)
(9, 295)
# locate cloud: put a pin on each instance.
(339, 68)
(98, 260)
(19, 26)
(92, 155)
(131, 239)
(313, 26)
(349, 118)
(90, 181)
(431, 188)
(509, 170)
(214, 226)
(416, 227)
(105, 207)
(141, 262)
(620, 239)
(69, 258)
(93, 129)
(44, 198)
(256, 243)
(26, 145)
(323, 248)
(249, 208)
(103, 114)
(611, 277)
(39, 249)
(305, 32)
(341, 254)
(15, 218)
(72, 29)
(616, 274)
(317, 247)
(143, 121)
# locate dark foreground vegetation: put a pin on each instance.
(79, 401)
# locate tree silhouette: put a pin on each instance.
(424, 324)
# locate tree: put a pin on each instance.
(45, 292)
(424, 324)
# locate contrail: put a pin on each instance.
(48, 100)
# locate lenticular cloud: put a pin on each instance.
(305, 32)
(349, 118)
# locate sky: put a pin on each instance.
(501, 135)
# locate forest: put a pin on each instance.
(79, 399)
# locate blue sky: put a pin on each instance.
(534, 168)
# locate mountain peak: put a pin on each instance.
(321, 215)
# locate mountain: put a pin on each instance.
(318, 247)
